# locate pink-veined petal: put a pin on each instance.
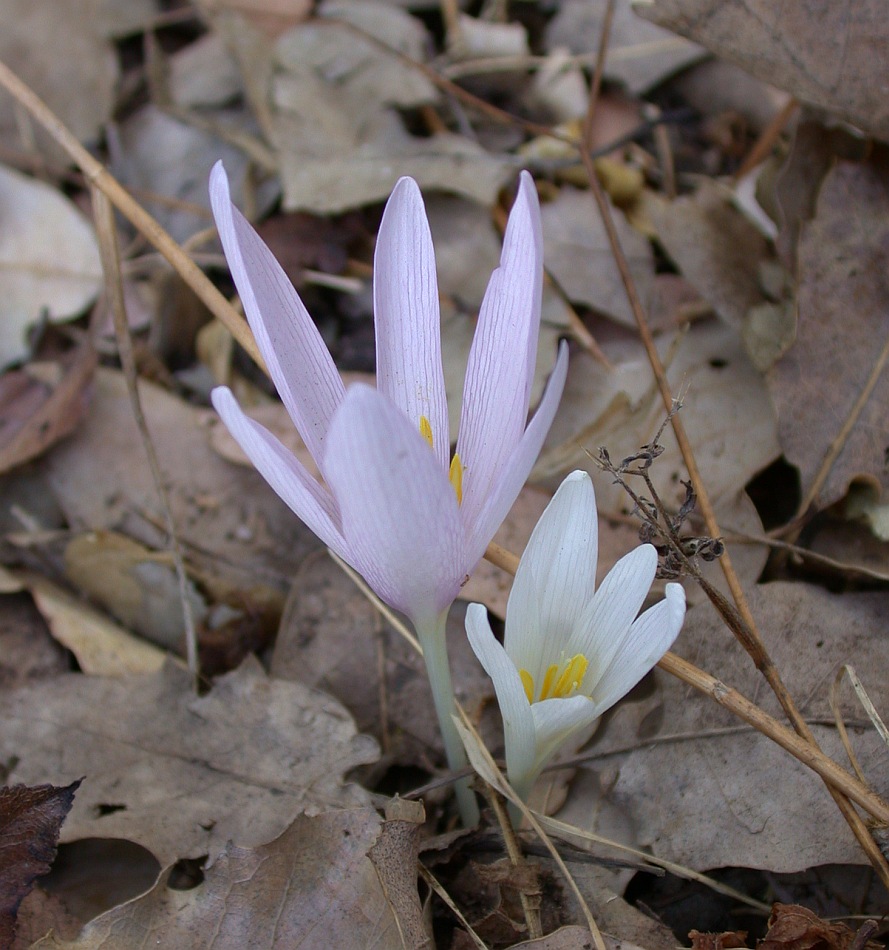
(398, 511)
(406, 312)
(501, 361)
(515, 710)
(516, 467)
(554, 722)
(644, 643)
(297, 359)
(559, 562)
(283, 471)
(604, 623)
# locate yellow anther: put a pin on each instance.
(426, 430)
(557, 685)
(572, 677)
(456, 476)
(528, 683)
(548, 678)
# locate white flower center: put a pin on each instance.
(559, 681)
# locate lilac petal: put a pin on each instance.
(408, 324)
(607, 618)
(283, 471)
(398, 510)
(516, 467)
(296, 357)
(559, 563)
(643, 645)
(515, 710)
(555, 720)
(501, 361)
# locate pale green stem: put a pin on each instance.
(435, 652)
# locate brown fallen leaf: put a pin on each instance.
(843, 303)
(640, 55)
(331, 637)
(312, 887)
(715, 248)
(814, 50)
(706, 791)
(180, 774)
(30, 819)
(35, 412)
(394, 856)
(792, 927)
(578, 255)
(728, 940)
(99, 645)
(241, 540)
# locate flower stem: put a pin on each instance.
(435, 653)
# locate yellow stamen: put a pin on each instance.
(426, 430)
(548, 678)
(572, 677)
(456, 472)
(572, 674)
(528, 683)
(456, 476)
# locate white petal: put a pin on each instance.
(408, 326)
(555, 720)
(613, 608)
(399, 512)
(514, 472)
(518, 724)
(647, 640)
(297, 358)
(559, 564)
(502, 357)
(283, 471)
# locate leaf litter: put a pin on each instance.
(766, 300)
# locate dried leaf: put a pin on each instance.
(100, 646)
(59, 48)
(578, 254)
(394, 855)
(239, 763)
(792, 927)
(843, 303)
(639, 55)
(136, 585)
(814, 50)
(49, 259)
(715, 248)
(241, 540)
(707, 792)
(313, 886)
(30, 819)
(332, 637)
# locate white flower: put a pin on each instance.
(570, 651)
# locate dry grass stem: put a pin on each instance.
(103, 213)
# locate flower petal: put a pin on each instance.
(559, 564)
(516, 467)
(554, 722)
(515, 710)
(398, 510)
(283, 471)
(501, 361)
(297, 359)
(408, 324)
(607, 618)
(646, 641)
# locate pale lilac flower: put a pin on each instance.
(570, 650)
(393, 503)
